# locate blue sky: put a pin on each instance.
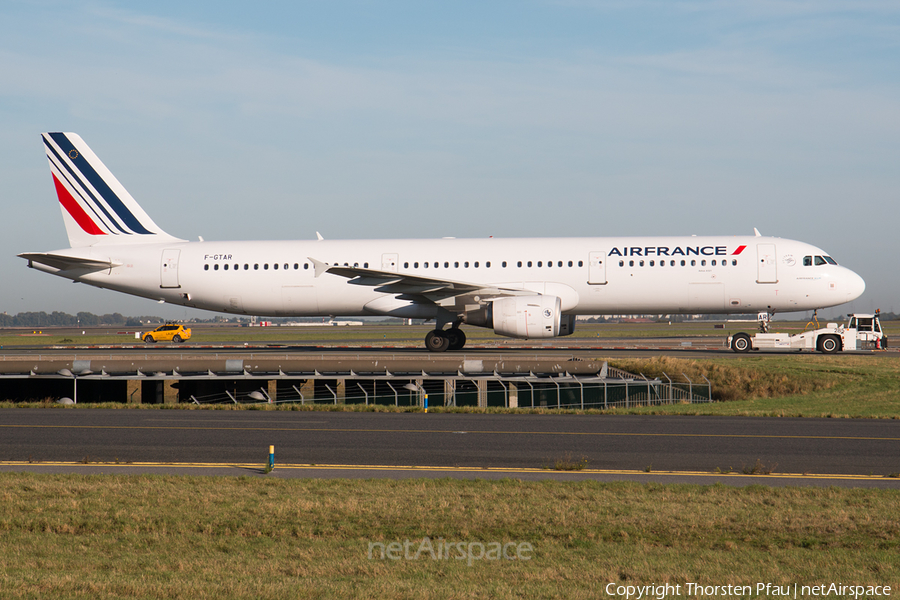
(467, 119)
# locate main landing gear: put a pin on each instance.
(440, 340)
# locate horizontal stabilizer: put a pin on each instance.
(65, 263)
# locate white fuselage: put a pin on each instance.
(714, 274)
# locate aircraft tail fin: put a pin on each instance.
(96, 208)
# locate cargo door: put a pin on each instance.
(168, 276)
(766, 263)
(597, 268)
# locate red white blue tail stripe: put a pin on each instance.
(94, 199)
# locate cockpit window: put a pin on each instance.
(807, 261)
(820, 261)
(830, 260)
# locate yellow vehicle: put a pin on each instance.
(170, 332)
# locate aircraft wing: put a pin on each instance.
(431, 288)
(64, 262)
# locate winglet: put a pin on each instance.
(319, 265)
(756, 232)
(319, 236)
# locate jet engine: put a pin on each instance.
(522, 317)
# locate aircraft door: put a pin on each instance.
(766, 263)
(389, 262)
(168, 276)
(597, 268)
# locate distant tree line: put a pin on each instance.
(82, 319)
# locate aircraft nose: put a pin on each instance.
(855, 286)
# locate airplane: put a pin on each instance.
(530, 288)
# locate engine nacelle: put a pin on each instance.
(526, 316)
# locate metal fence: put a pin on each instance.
(617, 390)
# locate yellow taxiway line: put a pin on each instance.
(512, 471)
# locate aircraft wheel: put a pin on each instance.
(457, 338)
(148, 339)
(437, 341)
(829, 344)
(741, 342)
(177, 339)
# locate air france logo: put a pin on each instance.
(676, 251)
(548, 313)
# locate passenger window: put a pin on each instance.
(733, 262)
(703, 263)
(713, 262)
(206, 267)
(365, 265)
(306, 266)
(476, 264)
(446, 265)
(671, 263)
(621, 263)
(466, 264)
(275, 266)
(549, 263)
(580, 263)
(246, 267)
(630, 263)
(425, 265)
(296, 266)
(559, 264)
(529, 264)
(416, 265)
(225, 267)
(487, 265)
(266, 267)
(693, 263)
(519, 264)
(682, 262)
(651, 263)
(406, 265)
(215, 267)
(456, 265)
(540, 263)
(503, 264)
(641, 263)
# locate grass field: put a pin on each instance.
(181, 537)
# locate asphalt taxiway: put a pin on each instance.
(730, 450)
